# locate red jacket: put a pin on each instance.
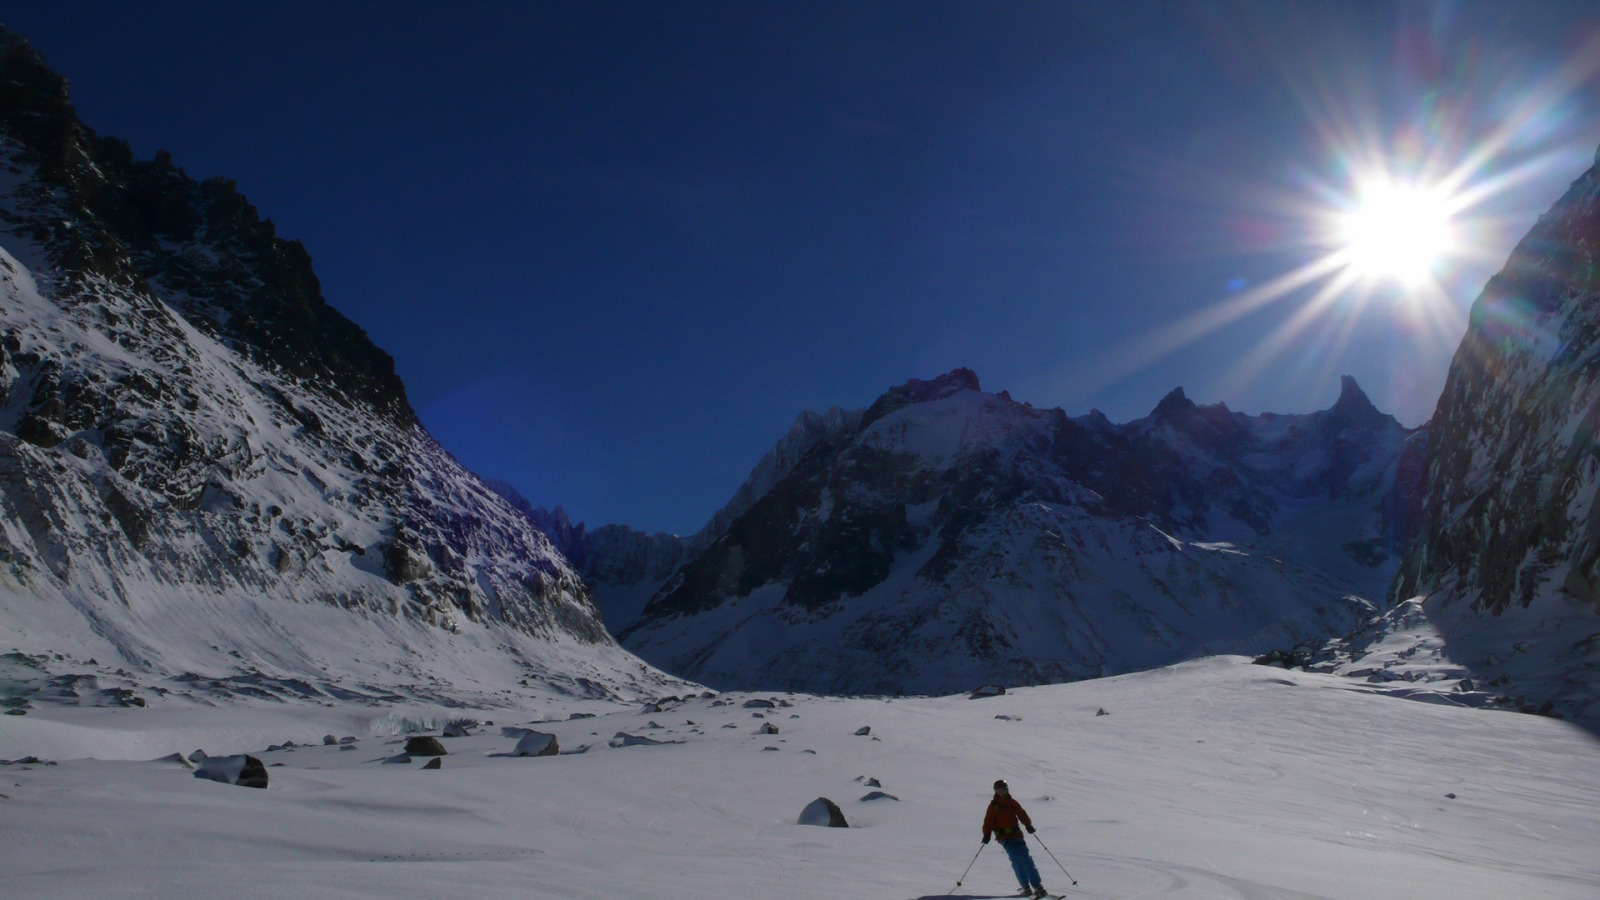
(1002, 819)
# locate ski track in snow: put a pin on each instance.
(1213, 779)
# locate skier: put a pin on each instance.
(1005, 820)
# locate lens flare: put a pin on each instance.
(1397, 231)
(1385, 234)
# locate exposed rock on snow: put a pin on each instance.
(623, 739)
(825, 812)
(243, 770)
(537, 744)
(425, 745)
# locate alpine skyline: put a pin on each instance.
(615, 248)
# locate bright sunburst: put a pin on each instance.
(1398, 220)
(1397, 232)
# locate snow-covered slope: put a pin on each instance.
(207, 473)
(1215, 779)
(954, 537)
(1508, 564)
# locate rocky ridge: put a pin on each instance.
(953, 537)
(624, 566)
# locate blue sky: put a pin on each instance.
(615, 248)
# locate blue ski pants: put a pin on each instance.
(1021, 862)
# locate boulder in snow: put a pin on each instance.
(456, 729)
(423, 745)
(759, 704)
(878, 795)
(435, 763)
(329, 740)
(863, 731)
(768, 728)
(242, 770)
(535, 743)
(1282, 659)
(825, 812)
(623, 739)
(988, 690)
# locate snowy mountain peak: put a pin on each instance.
(959, 537)
(919, 391)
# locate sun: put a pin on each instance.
(1397, 232)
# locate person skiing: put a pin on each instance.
(1005, 820)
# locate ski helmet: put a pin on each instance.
(1001, 785)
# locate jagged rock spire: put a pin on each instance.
(1174, 403)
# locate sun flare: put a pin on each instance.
(1397, 232)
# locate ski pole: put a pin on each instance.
(969, 869)
(1053, 857)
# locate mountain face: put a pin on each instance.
(205, 468)
(1508, 559)
(624, 566)
(946, 537)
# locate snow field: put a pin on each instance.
(1212, 779)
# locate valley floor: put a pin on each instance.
(1213, 779)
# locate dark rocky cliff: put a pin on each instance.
(1513, 463)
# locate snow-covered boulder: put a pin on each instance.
(825, 812)
(242, 770)
(536, 743)
(988, 690)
